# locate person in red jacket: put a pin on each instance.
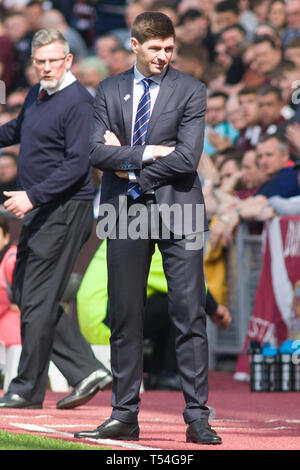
(10, 331)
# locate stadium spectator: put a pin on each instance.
(234, 114)
(234, 37)
(219, 132)
(194, 28)
(292, 30)
(168, 7)
(267, 56)
(8, 173)
(227, 14)
(6, 54)
(252, 175)
(17, 27)
(248, 100)
(10, 331)
(92, 71)
(270, 105)
(54, 19)
(292, 51)
(104, 45)
(34, 12)
(229, 171)
(277, 16)
(191, 59)
(273, 154)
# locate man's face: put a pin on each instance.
(292, 9)
(4, 239)
(154, 55)
(8, 169)
(293, 54)
(266, 57)
(51, 63)
(233, 39)
(271, 158)
(216, 110)
(249, 105)
(287, 82)
(269, 108)
(229, 169)
(251, 175)
(226, 18)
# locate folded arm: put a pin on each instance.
(189, 145)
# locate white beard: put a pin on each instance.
(50, 84)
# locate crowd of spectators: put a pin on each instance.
(247, 52)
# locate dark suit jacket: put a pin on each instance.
(177, 119)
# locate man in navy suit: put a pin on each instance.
(147, 138)
(54, 200)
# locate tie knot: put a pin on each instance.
(146, 82)
(42, 95)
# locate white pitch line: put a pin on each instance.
(107, 442)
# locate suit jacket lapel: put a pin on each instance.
(126, 97)
(166, 89)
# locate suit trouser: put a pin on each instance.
(128, 267)
(50, 241)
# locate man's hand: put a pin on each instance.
(222, 317)
(111, 139)
(160, 151)
(18, 203)
(122, 174)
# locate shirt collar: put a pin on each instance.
(138, 76)
(67, 80)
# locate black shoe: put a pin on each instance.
(12, 400)
(200, 432)
(101, 379)
(113, 429)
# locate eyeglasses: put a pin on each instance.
(53, 62)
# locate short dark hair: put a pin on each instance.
(190, 14)
(151, 25)
(219, 94)
(265, 38)
(234, 157)
(248, 90)
(283, 143)
(237, 26)
(293, 43)
(193, 51)
(227, 5)
(4, 225)
(267, 89)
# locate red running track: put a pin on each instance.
(245, 420)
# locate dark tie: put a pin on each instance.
(142, 119)
(43, 95)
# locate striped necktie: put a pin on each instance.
(142, 119)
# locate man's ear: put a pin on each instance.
(134, 45)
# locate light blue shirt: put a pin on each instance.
(138, 90)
